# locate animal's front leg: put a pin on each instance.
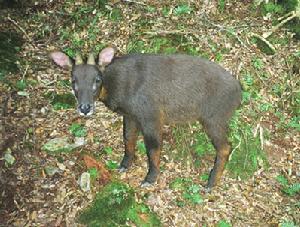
(130, 134)
(153, 141)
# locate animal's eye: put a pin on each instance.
(98, 79)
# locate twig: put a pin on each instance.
(136, 2)
(234, 149)
(247, 150)
(261, 137)
(165, 32)
(227, 30)
(290, 15)
(25, 72)
(21, 29)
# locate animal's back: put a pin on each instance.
(181, 87)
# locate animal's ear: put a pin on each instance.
(106, 56)
(61, 59)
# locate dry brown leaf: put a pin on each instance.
(104, 173)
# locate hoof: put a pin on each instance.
(122, 169)
(146, 184)
(207, 189)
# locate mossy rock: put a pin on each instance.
(58, 145)
(115, 205)
(110, 207)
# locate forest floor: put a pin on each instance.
(32, 197)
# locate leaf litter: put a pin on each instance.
(32, 198)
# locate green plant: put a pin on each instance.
(64, 83)
(93, 173)
(221, 5)
(204, 177)
(151, 9)
(294, 123)
(101, 3)
(112, 164)
(182, 9)
(182, 137)
(190, 191)
(9, 159)
(21, 85)
(287, 188)
(271, 7)
(223, 223)
(113, 197)
(180, 183)
(141, 147)
(202, 144)
(292, 189)
(108, 150)
(247, 155)
(165, 11)
(287, 224)
(115, 14)
(192, 194)
(78, 130)
(257, 63)
(61, 101)
(115, 206)
(219, 56)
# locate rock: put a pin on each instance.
(59, 145)
(51, 170)
(85, 182)
(79, 141)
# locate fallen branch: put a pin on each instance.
(135, 2)
(21, 29)
(289, 16)
(222, 28)
(170, 32)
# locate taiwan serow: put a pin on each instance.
(151, 90)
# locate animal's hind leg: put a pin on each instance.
(218, 135)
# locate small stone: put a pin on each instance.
(79, 141)
(51, 170)
(61, 166)
(85, 182)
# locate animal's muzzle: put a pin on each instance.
(85, 108)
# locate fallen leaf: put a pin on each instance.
(104, 175)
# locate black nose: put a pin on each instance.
(85, 108)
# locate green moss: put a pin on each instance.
(78, 130)
(110, 207)
(58, 145)
(115, 205)
(223, 223)
(61, 101)
(180, 184)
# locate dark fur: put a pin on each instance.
(153, 90)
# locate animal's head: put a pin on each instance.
(86, 77)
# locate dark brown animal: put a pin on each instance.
(151, 90)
